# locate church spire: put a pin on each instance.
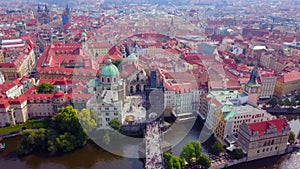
(67, 9)
(253, 76)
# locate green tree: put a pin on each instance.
(64, 133)
(45, 88)
(88, 119)
(173, 161)
(117, 62)
(292, 137)
(287, 102)
(293, 102)
(273, 102)
(204, 161)
(237, 153)
(33, 140)
(168, 160)
(217, 148)
(65, 142)
(177, 162)
(190, 151)
(281, 102)
(197, 148)
(187, 153)
(115, 124)
(66, 121)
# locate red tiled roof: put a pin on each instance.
(3, 103)
(262, 127)
(289, 77)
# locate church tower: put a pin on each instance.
(123, 51)
(66, 16)
(252, 88)
(172, 28)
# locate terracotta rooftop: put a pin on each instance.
(289, 77)
(262, 127)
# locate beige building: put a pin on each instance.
(268, 81)
(272, 62)
(264, 139)
(20, 109)
(17, 58)
(98, 48)
(287, 83)
(108, 94)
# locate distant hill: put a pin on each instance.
(120, 2)
(58, 2)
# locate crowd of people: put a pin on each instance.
(154, 159)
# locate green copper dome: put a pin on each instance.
(109, 69)
(132, 57)
(83, 34)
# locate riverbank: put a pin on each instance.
(90, 156)
(93, 157)
(235, 164)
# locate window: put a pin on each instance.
(108, 80)
(107, 114)
(257, 151)
(276, 148)
(106, 108)
(263, 150)
(107, 119)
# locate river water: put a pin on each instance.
(91, 156)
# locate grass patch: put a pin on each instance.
(28, 125)
(10, 129)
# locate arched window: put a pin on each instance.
(102, 79)
(108, 80)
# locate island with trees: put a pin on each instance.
(63, 133)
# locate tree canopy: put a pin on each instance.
(45, 88)
(204, 161)
(237, 153)
(273, 102)
(190, 151)
(217, 148)
(173, 161)
(88, 119)
(117, 62)
(287, 102)
(63, 134)
(115, 124)
(292, 137)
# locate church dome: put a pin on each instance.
(83, 34)
(109, 69)
(132, 57)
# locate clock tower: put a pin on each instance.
(252, 88)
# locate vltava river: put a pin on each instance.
(93, 157)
